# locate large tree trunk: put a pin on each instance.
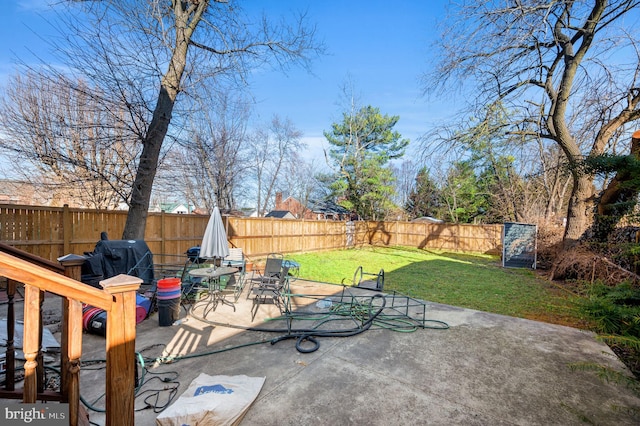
(170, 86)
(580, 208)
(141, 194)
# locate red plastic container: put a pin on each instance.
(167, 283)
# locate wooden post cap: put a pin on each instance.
(71, 260)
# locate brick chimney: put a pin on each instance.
(279, 201)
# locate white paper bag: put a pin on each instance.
(212, 400)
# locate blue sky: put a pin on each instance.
(382, 47)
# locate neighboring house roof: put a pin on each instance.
(200, 211)
(428, 219)
(247, 211)
(327, 207)
(232, 212)
(313, 209)
(290, 198)
(29, 193)
(280, 214)
(253, 213)
(173, 208)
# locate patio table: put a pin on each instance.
(212, 276)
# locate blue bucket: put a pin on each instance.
(166, 295)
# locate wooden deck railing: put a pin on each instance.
(118, 299)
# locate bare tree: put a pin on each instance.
(210, 164)
(300, 180)
(148, 53)
(553, 180)
(71, 140)
(551, 63)
(273, 148)
(405, 182)
(528, 178)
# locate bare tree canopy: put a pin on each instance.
(210, 165)
(567, 71)
(273, 148)
(69, 138)
(147, 53)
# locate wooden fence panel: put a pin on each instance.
(253, 235)
(171, 235)
(36, 231)
(51, 232)
(361, 236)
(411, 234)
(457, 237)
(153, 235)
(287, 235)
(87, 226)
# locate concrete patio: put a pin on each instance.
(485, 369)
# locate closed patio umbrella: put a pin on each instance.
(214, 243)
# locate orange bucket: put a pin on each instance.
(167, 283)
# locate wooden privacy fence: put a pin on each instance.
(52, 232)
(442, 236)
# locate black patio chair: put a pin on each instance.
(272, 272)
(272, 290)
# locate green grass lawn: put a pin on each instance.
(473, 281)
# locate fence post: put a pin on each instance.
(66, 229)
(396, 224)
(273, 236)
(121, 340)
(162, 232)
